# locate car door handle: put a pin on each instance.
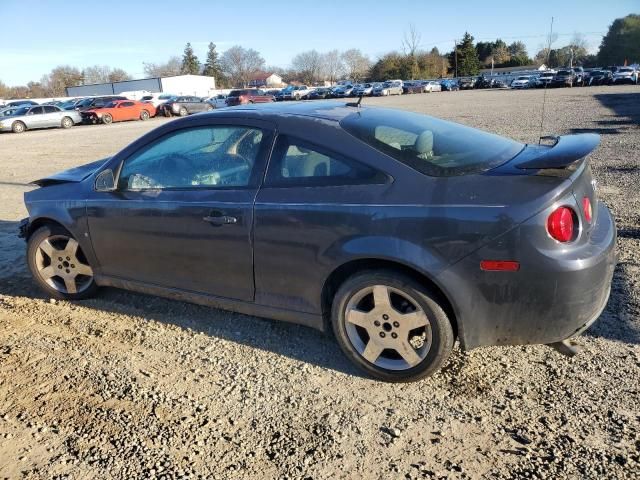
(220, 220)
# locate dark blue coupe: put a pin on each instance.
(398, 231)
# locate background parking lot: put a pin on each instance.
(130, 386)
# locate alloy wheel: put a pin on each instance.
(61, 264)
(388, 328)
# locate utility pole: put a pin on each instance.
(455, 55)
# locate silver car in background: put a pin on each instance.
(431, 86)
(39, 116)
(393, 87)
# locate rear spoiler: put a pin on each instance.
(566, 150)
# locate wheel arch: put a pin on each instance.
(42, 222)
(341, 273)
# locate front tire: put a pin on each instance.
(144, 115)
(18, 127)
(183, 112)
(67, 122)
(390, 326)
(107, 119)
(58, 264)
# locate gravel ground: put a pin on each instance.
(130, 386)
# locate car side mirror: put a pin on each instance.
(105, 181)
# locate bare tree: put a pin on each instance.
(356, 64)
(411, 40)
(59, 78)
(332, 66)
(103, 74)
(170, 68)
(118, 75)
(308, 65)
(240, 64)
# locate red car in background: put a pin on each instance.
(242, 97)
(119, 111)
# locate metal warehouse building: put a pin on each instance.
(198, 85)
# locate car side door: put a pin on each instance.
(34, 117)
(51, 116)
(126, 111)
(181, 216)
(311, 200)
(197, 105)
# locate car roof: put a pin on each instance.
(326, 110)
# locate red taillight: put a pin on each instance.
(499, 265)
(560, 224)
(586, 208)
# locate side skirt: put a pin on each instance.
(247, 308)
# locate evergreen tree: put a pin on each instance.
(190, 63)
(622, 42)
(468, 61)
(212, 65)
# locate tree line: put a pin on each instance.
(237, 66)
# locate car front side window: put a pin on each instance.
(199, 157)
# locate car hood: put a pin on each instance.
(73, 175)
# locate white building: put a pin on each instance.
(197, 85)
(272, 80)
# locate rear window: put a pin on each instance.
(429, 145)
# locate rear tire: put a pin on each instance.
(404, 338)
(58, 265)
(67, 122)
(18, 127)
(209, 108)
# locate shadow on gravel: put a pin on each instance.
(16, 184)
(598, 130)
(626, 107)
(617, 320)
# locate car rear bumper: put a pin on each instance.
(555, 295)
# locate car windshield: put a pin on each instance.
(235, 93)
(21, 111)
(147, 97)
(429, 145)
(564, 72)
(165, 97)
(625, 69)
(523, 78)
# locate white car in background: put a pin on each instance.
(626, 75)
(157, 99)
(431, 86)
(523, 81)
(218, 101)
(297, 93)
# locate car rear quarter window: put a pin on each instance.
(431, 146)
(295, 162)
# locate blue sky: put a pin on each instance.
(40, 35)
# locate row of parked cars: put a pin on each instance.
(578, 77)
(345, 89)
(21, 115)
